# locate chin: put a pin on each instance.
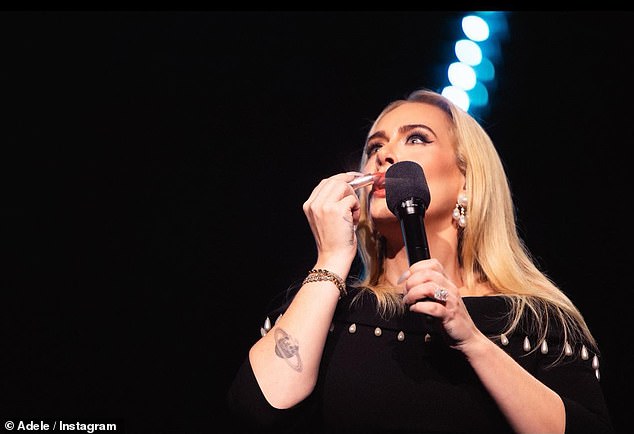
(381, 214)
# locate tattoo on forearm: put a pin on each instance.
(287, 348)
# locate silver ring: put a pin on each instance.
(441, 294)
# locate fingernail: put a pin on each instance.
(403, 277)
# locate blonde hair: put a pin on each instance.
(489, 247)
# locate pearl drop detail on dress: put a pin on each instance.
(378, 331)
(504, 340)
(352, 328)
(527, 344)
(584, 353)
(266, 327)
(567, 349)
(400, 336)
(595, 362)
(544, 347)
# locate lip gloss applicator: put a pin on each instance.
(364, 180)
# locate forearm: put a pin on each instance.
(528, 404)
(286, 360)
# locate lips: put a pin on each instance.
(378, 188)
(380, 180)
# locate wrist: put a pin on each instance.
(338, 266)
(476, 347)
(325, 275)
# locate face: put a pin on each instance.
(417, 132)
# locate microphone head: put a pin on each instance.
(403, 181)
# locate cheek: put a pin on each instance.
(444, 193)
(445, 183)
(443, 198)
(369, 167)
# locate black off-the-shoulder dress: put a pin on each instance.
(400, 376)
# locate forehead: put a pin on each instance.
(412, 113)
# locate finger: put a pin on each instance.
(336, 184)
(325, 188)
(440, 294)
(422, 291)
(313, 194)
(436, 310)
(404, 277)
(427, 266)
(423, 275)
(352, 204)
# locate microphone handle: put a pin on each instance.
(411, 214)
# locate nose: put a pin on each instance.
(385, 157)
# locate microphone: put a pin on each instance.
(408, 197)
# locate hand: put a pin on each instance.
(333, 212)
(429, 291)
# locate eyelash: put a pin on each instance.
(373, 147)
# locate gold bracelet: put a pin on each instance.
(321, 275)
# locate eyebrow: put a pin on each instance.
(402, 130)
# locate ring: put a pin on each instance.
(441, 294)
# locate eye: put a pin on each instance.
(419, 138)
(372, 148)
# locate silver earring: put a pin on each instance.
(460, 211)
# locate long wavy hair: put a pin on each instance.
(489, 248)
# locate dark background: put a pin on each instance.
(154, 165)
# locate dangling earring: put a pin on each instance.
(460, 211)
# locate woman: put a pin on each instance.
(474, 339)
